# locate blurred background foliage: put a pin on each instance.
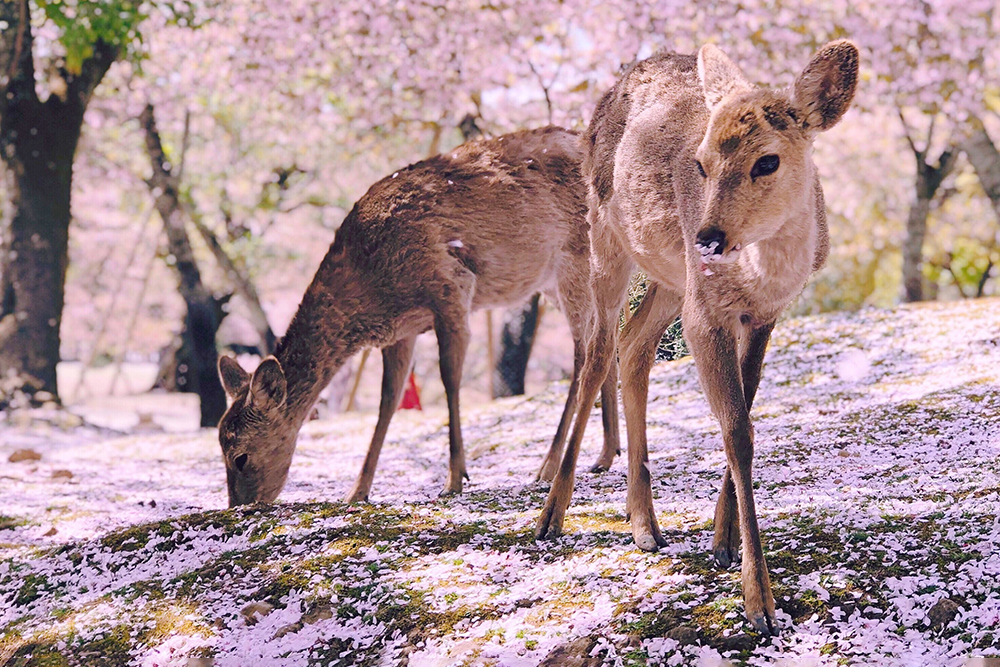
(277, 116)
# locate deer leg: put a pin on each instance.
(551, 460)
(725, 545)
(609, 417)
(610, 271)
(396, 361)
(640, 338)
(452, 329)
(715, 352)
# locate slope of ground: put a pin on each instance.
(878, 488)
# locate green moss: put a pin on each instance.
(10, 522)
(109, 650)
(37, 654)
(31, 589)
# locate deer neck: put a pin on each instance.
(325, 332)
(780, 264)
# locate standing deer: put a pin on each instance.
(488, 224)
(705, 182)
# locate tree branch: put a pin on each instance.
(983, 279)
(985, 159)
(909, 138)
(241, 283)
(80, 87)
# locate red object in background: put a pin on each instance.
(411, 397)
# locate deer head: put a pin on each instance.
(755, 157)
(256, 432)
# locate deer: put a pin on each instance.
(489, 224)
(706, 183)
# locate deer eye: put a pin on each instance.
(240, 462)
(765, 166)
(701, 169)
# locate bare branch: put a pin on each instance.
(983, 279)
(907, 133)
(185, 138)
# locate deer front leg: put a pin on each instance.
(396, 360)
(715, 352)
(726, 543)
(640, 338)
(452, 329)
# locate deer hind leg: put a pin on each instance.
(609, 418)
(451, 325)
(659, 308)
(716, 356)
(576, 300)
(396, 362)
(611, 269)
(551, 461)
(726, 543)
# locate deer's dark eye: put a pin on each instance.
(701, 169)
(765, 166)
(240, 462)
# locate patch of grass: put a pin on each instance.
(31, 589)
(109, 650)
(37, 654)
(11, 522)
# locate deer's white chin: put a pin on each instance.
(727, 257)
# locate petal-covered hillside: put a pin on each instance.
(878, 488)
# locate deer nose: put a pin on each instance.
(711, 241)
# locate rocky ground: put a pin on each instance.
(878, 488)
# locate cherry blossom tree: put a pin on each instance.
(296, 107)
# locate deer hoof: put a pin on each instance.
(549, 524)
(356, 497)
(725, 556)
(455, 483)
(547, 472)
(646, 533)
(764, 623)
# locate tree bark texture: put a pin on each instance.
(928, 181)
(38, 140)
(985, 159)
(516, 340)
(198, 354)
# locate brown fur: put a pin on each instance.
(730, 248)
(488, 224)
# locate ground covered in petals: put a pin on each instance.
(877, 482)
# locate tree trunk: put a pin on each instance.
(928, 181)
(516, 340)
(35, 254)
(37, 143)
(196, 369)
(242, 284)
(913, 246)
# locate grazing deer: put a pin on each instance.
(705, 182)
(488, 224)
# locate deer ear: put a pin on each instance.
(268, 387)
(825, 88)
(234, 378)
(720, 76)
